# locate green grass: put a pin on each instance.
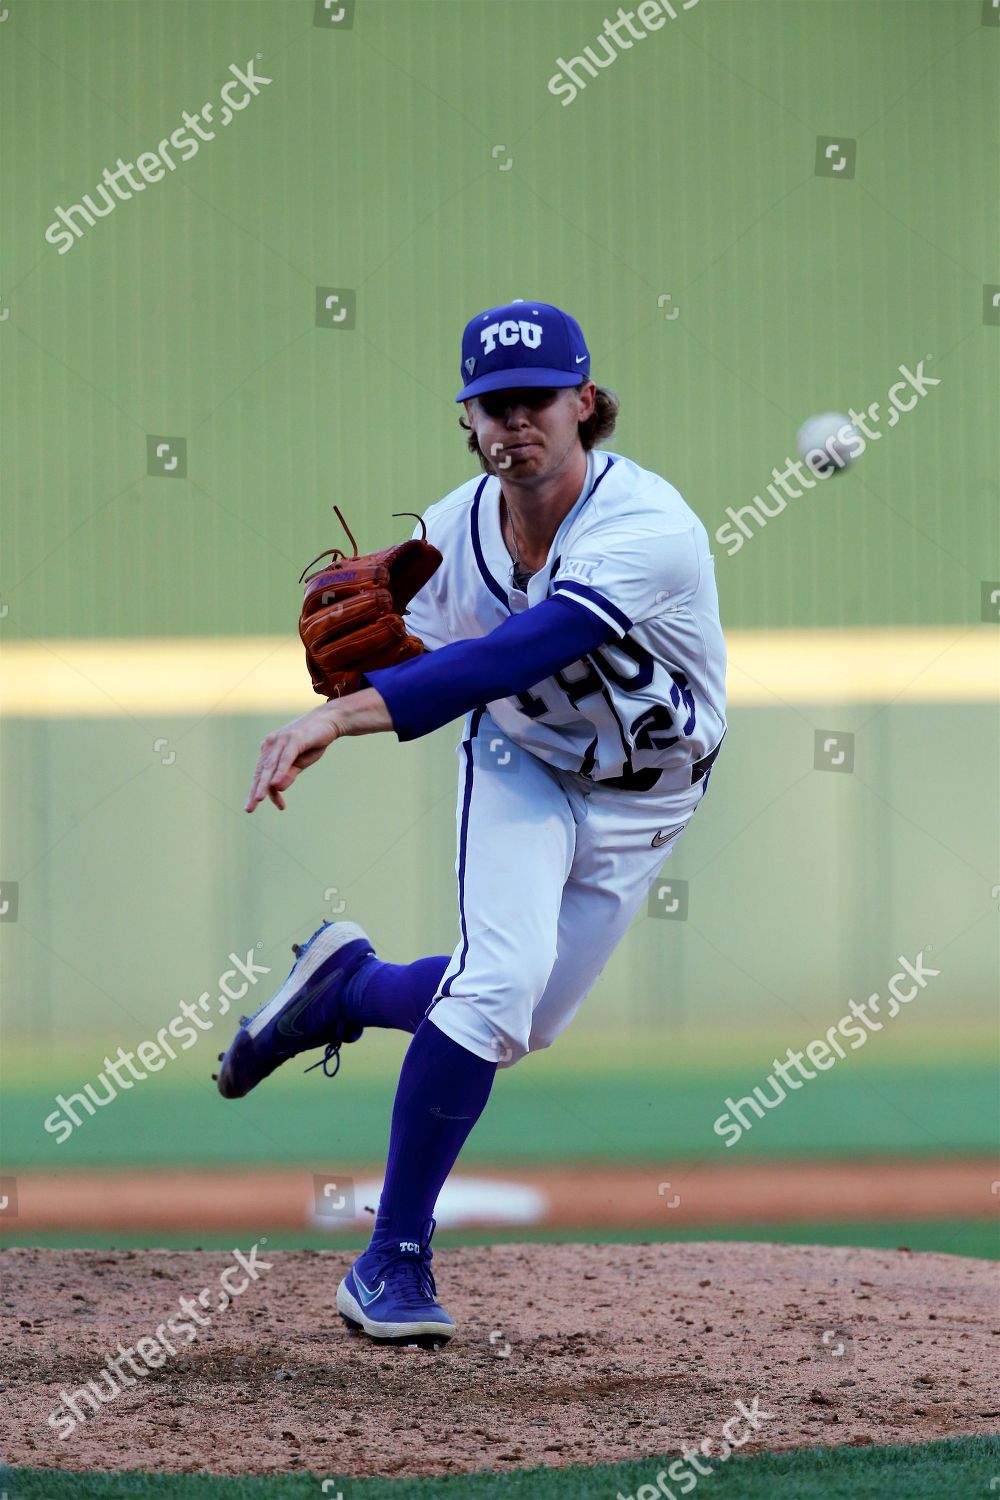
(535, 1115)
(975, 1237)
(930, 1471)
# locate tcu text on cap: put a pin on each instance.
(509, 332)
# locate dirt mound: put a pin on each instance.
(565, 1354)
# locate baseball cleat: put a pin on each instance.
(389, 1294)
(306, 1012)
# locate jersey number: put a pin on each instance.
(581, 679)
(655, 728)
(648, 729)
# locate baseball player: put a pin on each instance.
(574, 622)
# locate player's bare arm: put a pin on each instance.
(289, 751)
(425, 692)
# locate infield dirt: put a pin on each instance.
(565, 1354)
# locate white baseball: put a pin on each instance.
(828, 443)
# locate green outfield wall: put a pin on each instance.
(414, 163)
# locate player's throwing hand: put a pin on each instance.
(290, 750)
(300, 744)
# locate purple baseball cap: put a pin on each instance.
(524, 343)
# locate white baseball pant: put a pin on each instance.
(551, 870)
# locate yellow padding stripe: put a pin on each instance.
(61, 679)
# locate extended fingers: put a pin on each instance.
(270, 753)
(283, 755)
(276, 770)
(283, 772)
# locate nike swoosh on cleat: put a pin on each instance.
(367, 1295)
(286, 1021)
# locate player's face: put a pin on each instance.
(530, 433)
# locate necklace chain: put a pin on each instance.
(513, 536)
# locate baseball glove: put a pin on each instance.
(352, 612)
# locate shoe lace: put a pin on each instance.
(413, 1273)
(332, 1048)
(332, 1052)
(417, 1277)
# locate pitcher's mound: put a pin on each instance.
(565, 1354)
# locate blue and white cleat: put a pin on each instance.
(306, 1012)
(389, 1293)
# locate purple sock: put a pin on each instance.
(393, 995)
(442, 1091)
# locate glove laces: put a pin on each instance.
(337, 555)
(333, 552)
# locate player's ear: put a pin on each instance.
(586, 395)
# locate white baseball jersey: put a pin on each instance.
(632, 551)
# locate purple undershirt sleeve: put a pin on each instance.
(431, 690)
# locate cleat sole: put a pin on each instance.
(425, 1335)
